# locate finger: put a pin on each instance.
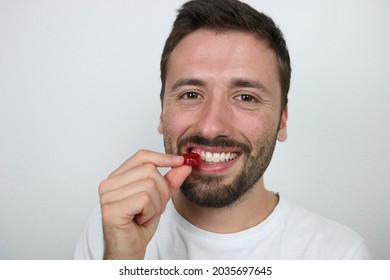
(176, 176)
(122, 212)
(146, 175)
(133, 174)
(143, 204)
(147, 185)
(146, 156)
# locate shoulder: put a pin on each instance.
(321, 237)
(303, 219)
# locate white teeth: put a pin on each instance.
(217, 157)
(209, 157)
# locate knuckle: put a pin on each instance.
(103, 199)
(145, 198)
(149, 183)
(141, 153)
(103, 186)
(149, 168)
(106, 210)
(148, 201)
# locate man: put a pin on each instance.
(225, 73)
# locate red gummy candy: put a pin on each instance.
(192, 159)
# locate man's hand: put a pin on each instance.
(132, 199)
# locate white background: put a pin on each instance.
(79, 93)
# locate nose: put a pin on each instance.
(215, 118)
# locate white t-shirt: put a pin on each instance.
(290, 232)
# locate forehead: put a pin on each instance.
(209, 53)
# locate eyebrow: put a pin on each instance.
(245, 83)
(187, 82)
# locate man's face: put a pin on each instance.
(223, 101)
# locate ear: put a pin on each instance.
(160, 125)
(282, 133)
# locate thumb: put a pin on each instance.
(176, 176)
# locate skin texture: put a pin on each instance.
(223, 86)
(220, 87)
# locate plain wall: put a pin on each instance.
(79, 94)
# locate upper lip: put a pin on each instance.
(198, 148)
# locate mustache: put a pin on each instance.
(220, 141)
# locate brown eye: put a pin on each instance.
(246, 98)
(190, 95)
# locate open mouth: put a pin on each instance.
(211, 157)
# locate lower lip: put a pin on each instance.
(215, 167)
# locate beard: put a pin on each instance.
(210, 190)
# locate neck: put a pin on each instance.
(253, 208)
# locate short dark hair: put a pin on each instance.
(226, 15)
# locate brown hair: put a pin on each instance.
(225, 15)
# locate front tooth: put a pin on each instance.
(209, 157)
(216, 157)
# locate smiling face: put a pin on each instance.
(222, 100)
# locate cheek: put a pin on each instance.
(175, 123)
(253, 124)
(257, 128)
